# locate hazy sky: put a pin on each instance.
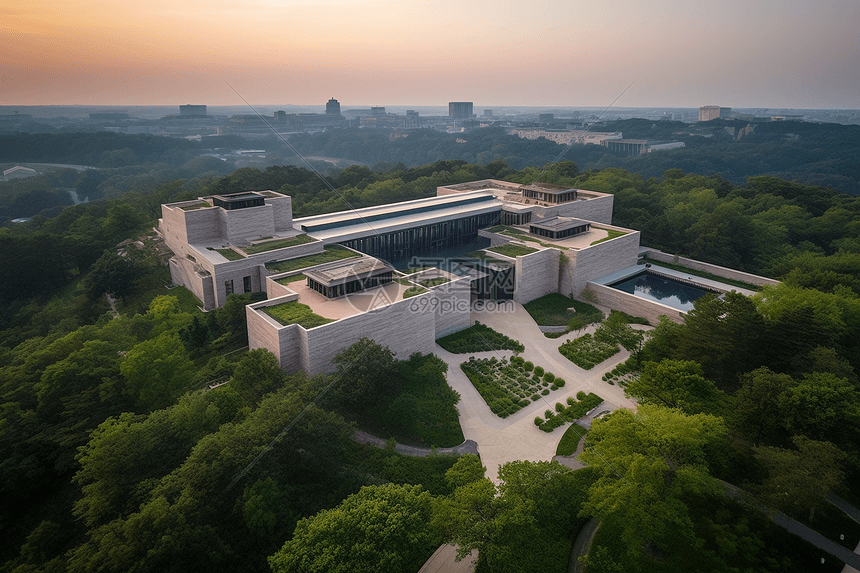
(677, 53)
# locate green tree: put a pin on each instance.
(112, 274)
(365, 370)
(650, 461)
(157, 371)
(379, 529)
(676, 384)
(799, 480)
(821, 406)
(755, 407)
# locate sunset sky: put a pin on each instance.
(793, 53)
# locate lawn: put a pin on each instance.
(280, 244)
(434, 282)
(330, 254)
(512, 250)
(414, 291)
(553, 309)
(507, 387)
(570, 440)
(295, 313)
(613, 234)
(291, 279)
(229, 254)
(478, 338)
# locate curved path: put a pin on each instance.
(516, 437)
(467, 447)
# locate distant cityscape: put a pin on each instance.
(200, 120)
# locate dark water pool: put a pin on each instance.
(661, 289)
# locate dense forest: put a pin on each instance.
(139, 434)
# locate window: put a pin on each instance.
(247, 283)
(228, 286)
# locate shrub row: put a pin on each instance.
(570, 413)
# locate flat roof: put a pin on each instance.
(355, 228)
(390, 210)
(348, 271)
(558, 223)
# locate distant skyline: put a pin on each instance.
(793, 54)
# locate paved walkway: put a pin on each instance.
(467, 447)
(516, 437)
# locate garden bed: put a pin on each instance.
(587, 351)
(295, 313)
(513, 251)
(553, 310)
(330, 254)
(279, 244)
(507, 387)
(478, 338)
(575, 409)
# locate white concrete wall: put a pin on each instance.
(404, 327)
(625, 302)
(453, 306)
(597, 209)
(659, 256)
(536, 275)
(581, 266)
(265, 332)
(241, 225)
(282, 212)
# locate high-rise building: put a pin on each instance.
(460, 109)
(488, 113)
(332, 107)
(192, 110)
(709, 112)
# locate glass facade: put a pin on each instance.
(425, 240)
(355, 285)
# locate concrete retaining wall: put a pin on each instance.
(453, 312)
(618, 300)
(595, 261)
(536, 275)
(659, 256)
(405, 327)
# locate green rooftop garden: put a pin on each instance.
(198, 205)
(330, 254)
(414, 291)
(295, 313)
(433, 282)
(512, 250)
(613, 234)
(291, 279)
(279, 244)
(228, 254)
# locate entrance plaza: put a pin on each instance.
(516, 437)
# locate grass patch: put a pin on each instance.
(505, 386)
(487, 258)
(330, 254)
(478, 338)
(295, 313)
(279, 244)
(415, 270)
(570, 440)
(552, 310)
(429, 283)
(291, 279)
(524, 236)
(587, 351)
(628, 318)
(228, 254)
(570, 413)
(613, 234)
(198, 205)
(414, 291)
(404, 282)
(707, 275)
(512, 250)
